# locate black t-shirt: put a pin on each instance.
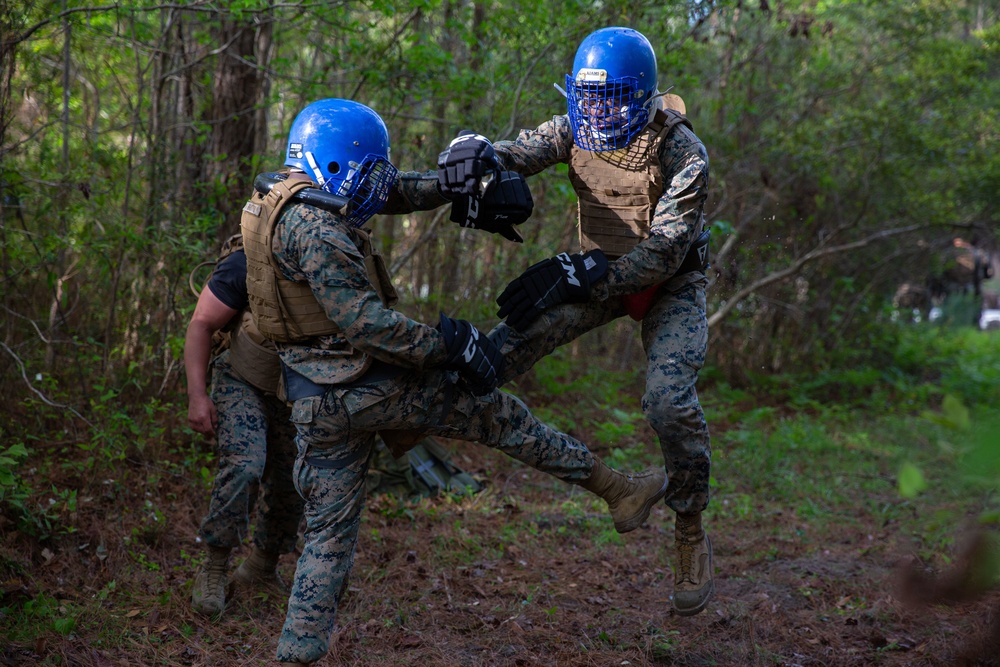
(229, 281)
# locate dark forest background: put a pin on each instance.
(850, 144)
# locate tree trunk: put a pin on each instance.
(238, 91)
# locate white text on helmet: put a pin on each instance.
(592, 75)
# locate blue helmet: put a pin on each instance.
(344, 147)
(610, 93)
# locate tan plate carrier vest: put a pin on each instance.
(252, 357)
(286, 311)
(616, 203)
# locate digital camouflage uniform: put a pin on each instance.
(255, 446)
(675, 329)
(404, 390)
(256, 451)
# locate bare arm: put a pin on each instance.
(209, 316)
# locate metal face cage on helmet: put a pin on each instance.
(344, 146)
(610, 92)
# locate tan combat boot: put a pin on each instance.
(260, 568)
(693, 582)
(629, 496)
(209, 593)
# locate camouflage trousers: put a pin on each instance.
(256, 448)
(336, 435)
(675, 338)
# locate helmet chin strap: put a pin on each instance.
(317, 172)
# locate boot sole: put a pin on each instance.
(693, 611)
(640, 518)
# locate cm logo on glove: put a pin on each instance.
(568, 267)
(470, 349)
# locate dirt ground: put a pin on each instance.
(516, 575)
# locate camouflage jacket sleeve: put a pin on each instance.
(677, 221)
(315, 246)
(414, 191)
(536, 150)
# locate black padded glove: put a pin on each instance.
(563, 279)
(507, 202)
(474, 355)
(467, 165)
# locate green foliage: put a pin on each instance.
(10, 458)
(874, 87)
(911, 481)
(121, 187)
(963, 363)
(621, 427)
(17, 498)
(982, 461)
(953, 414)
(42, 612)
(933, 370)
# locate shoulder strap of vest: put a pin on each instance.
(282, 192)
(230, 245)
(315, 196)
(276, 199)
(665, 120)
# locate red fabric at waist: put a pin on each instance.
(638, 304)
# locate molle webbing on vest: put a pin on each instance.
(283, 310)
(618, 191)
(253, 357)
(615, 203)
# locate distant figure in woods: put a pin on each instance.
(956, 286)
(353, 366)
(256, 446)
(641, 177)
(966, 267)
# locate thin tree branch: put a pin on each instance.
(511, 126)
(41, 396)
(810, 256)
(425, 236)
(204, 57)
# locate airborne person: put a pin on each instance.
(641, 177)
